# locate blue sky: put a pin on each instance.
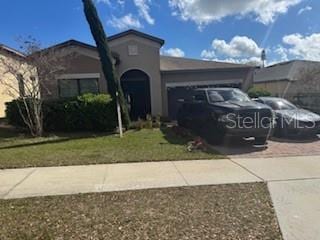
(222, 30)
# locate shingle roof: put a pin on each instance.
(168, 64)
(77, 43)
(290, 71)
(11, 51)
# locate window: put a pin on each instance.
(89, 86)
(75, 87)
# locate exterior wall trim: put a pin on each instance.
(132, 69)
(79, 76)
(199, 83)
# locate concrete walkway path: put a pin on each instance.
(294, 183)
(20, 183)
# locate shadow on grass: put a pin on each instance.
(8, 134)
(230, 146)
(180, 136)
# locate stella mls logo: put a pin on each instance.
(248, 122)
(292, 121)
(233, 120)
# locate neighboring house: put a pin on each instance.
(9, 86)
(152, 84)
(289, 79)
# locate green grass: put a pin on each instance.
(19, 151)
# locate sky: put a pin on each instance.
(220, 30)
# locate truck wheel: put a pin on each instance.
(260, 140)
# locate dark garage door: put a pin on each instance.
(176, 95)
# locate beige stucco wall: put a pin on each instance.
(76, 62)
(147, 60)
(85, 61)
(9, 88)
(4, 96)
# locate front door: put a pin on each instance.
(136, 89)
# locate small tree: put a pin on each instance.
(256, 92)
(108, 67)
(24, 78)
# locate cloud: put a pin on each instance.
(173, 52)
(120, 2)
(208, 54)
(238, 47)
(254, 61)
(144, 10)
(241, 49)
(282, 52)
(103, 1)
(304, 47)
(305, 9)
(125, 22)
(203, 12)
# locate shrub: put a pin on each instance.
(13, 115)
(88, 112)
(157, 122)
(148, 123)
(256, 92)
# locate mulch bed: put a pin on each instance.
(238, 211)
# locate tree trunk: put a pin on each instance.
(108, 68)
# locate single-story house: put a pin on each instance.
(288, 79)
(152, 84)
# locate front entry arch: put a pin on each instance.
(136, 89)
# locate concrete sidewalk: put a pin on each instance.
(20, 183)
(30, 182)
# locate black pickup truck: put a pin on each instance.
(218, 112)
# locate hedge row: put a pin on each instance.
(256, 92)
(85, 113)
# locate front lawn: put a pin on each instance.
(239, 211)
(18, 151)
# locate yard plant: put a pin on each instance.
(88, 112)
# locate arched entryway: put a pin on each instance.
(136, 88)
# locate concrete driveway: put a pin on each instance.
(294, 185)
(297, 204)
(235, 148)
